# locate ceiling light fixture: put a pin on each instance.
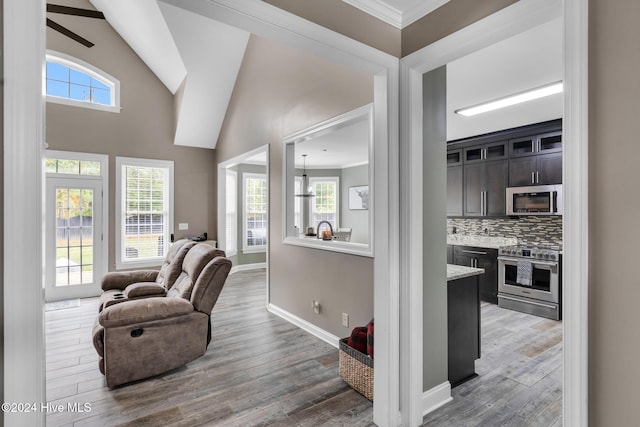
(531, 94)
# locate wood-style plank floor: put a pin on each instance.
(519, 381)
(260, 370)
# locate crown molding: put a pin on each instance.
(392, 16)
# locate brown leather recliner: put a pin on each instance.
(119, 286)
(139, 338)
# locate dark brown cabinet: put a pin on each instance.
(454, 182)
(480, 169)
(481, 258)
(484, 188)
(536, 160)
(463, 328)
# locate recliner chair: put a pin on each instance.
(139, 338)
(119, 286)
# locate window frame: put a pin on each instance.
(312, 182)
(246, 249)
(232, 226)
(121, 163)
(90, 70)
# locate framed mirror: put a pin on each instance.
(328, 184)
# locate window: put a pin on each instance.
(231, 207)
(324, 206)
(71, 81)
(255, 212)
(73, 167)
(297, 208)
(144, 202)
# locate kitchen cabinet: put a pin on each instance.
(454, 183)
(463, 328)
(485, 186)
(449, 254)
(536, 160)
(486, 258)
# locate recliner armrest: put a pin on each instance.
(143, 310)
(122, 279)
(144, 289)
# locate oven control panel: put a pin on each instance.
(530, 252)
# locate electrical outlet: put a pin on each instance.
(345, 320)
(316, 306)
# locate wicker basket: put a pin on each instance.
(356, 369)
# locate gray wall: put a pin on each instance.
(614, 205)
(434, 266)
(281, 90)
(358, 220)
(144, 128)
(241, 258)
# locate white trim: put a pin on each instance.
(392, 16)
(374, 116)
(309, 327)
(120, 195)
(575, 270)
(436, 397)
(24, 340)
(222, 207)
(246, 267)
(91, 70)
(505, 23)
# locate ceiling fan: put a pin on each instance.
(67, 10)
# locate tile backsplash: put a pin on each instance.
(532, 230)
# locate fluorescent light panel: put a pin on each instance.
(518, 98)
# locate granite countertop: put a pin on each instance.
(493, 242)
(455, 272)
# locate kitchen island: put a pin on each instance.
(463, 321)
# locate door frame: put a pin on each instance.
(24, 135)
(505, 23)
(104, 180)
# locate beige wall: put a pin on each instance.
(281, 90)
(347, 20)
(2, 211)
(453, 16)
(144, 128)
(614, 206)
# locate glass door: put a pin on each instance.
(74, 238)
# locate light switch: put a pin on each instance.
(183, 226)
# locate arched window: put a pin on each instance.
(71, 81)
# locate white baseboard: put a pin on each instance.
(435, 397)
(305, 325)
(244, 267)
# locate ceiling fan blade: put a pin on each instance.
(67, 10)
(59, 28)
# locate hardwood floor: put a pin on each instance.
(519, 381)
(260, 370)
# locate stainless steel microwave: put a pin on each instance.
(535, 200)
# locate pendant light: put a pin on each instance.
(305, 189)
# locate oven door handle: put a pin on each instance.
(532, 261)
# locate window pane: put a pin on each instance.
(79, 93)
(79, 77)
(57, 72)
(255, 211)
(59, 89)
(90, 168)
(146, 210)
(51, 165)
(98, 84)
(69, 167)
(101, 96)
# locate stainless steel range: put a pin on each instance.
(529, 280)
